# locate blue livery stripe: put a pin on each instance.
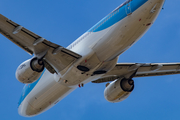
(27, 89)
(117, 15)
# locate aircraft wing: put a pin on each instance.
(57, 57)
(140, 70)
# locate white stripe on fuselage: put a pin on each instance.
(106, 44)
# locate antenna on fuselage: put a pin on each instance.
(164, 4)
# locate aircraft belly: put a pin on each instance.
(126, 32)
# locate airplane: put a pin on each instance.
(54, 71)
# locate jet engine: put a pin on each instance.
(30, 70)
(118, 90)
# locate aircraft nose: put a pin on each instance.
(22, 109)
(27, 110)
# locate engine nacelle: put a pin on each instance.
(118, 90)
(30, 70)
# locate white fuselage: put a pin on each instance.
(100, 51)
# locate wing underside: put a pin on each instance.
(57, 57)
(140, 70)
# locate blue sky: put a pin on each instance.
(63, 21)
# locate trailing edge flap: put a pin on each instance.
(57, 58)
(143, 70)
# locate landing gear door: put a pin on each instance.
(128, 7)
